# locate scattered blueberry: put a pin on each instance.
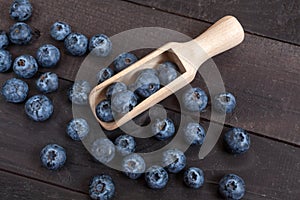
(103, 150)
(224, 102)
(76, 44)
(194, 133)
(5, 60)
(79, 92)
(102, 187)
(124, 60)
(115, 88)
(48, 55)
(237, 141)
(232, 187)
(133, 166)
(104, 74)
(53, 156)
(60, 30)
(15, 90)
(125, 144)
(123, 102)
(20, 33)
(4, 42)
(167, 72)
(194, 99)
(193, 177)
(104, 112)
(20, 10)
(25, 66)
(156, 177)
(39, 108)
(100, 45)
(163, 128)
(47, 82)
(147, 84)
(78, 129)
(174, 160)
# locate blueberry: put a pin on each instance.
(4, 42)
(79, 92)
(156, 177)
(102, 187)
(104, 112)
(78, 129)
(20, 33)
(20, 10)
(194, 133)
(115, 88)
(5, 60)
(123, 102)
(174, 160)
(131, 87)
(103, 150)
(147, 84)
(149, 71)
(133, 166)
(47, 82)
(163, 128)
(15, 90)
(167, 72)
(232, 187)
(104, 74)
(39, 108)
(237, 141)
(53, 156)
(76, 44)
(125, 144)
(48, 55)
(194, 99)
(60, 30)
(224, 102)
(124, 60)
(25, 66)
(193, 177)
(100, 45)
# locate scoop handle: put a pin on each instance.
(225, 34)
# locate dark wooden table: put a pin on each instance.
(263, 73)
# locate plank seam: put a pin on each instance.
(201, 20)
(250, 132)
(41, 181)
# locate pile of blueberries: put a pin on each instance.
(120, 99)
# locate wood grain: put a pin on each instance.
(263, 74)
(265, 18)
(274, 166)
(17, 187)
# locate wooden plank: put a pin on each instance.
(273, 19)
(21, 155)
(270, 168)
(262, 73)
(18, 187)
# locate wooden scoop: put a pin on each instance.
(223, 35)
